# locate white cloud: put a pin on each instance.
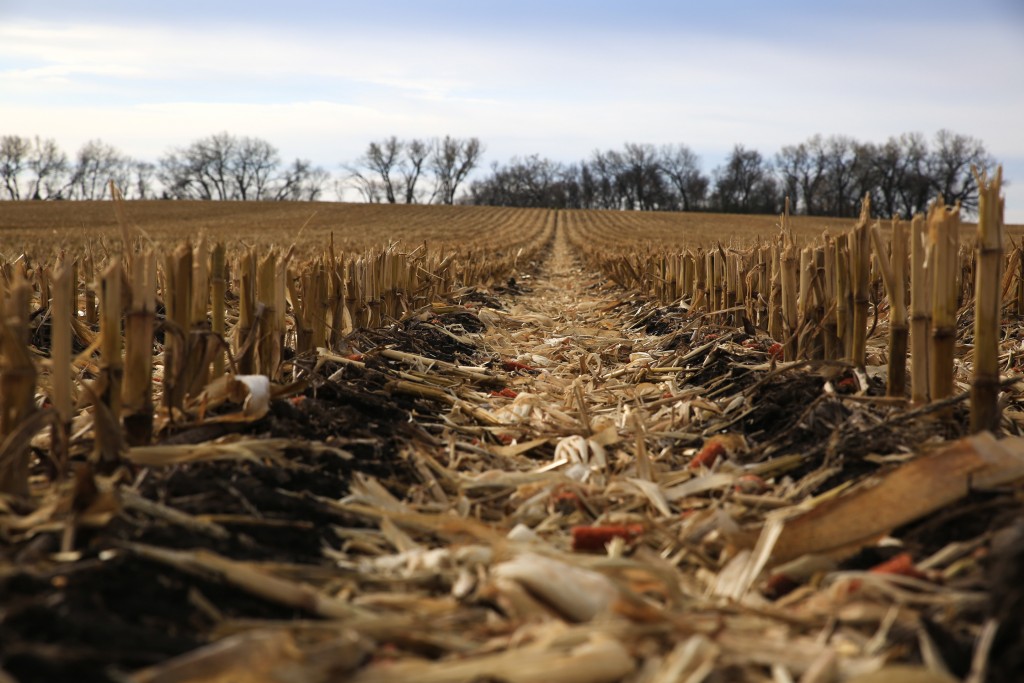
(324, 94)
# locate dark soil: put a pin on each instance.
(110, 611)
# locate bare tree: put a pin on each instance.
(175, 173)
(589, 187)
(915, 185)
(789, 163)
(251, 163)
(212, 161)
(838, 183)
(142, 180)
(315, 183)
(390, 170)
(681, 166)
(452, 160)
(199, 171)
(368, 187)
(896, 175)
(950, 165)
(417, 152)
(529, 182)
(745, 184)
(639, 175)
(604, 170)
(96, 164)
(14, 151)
(49, 166)
(381, 158)
(632, 178)
(31, 168)
(894, 170)
(220, 167)
(301, 182)
(802, 171)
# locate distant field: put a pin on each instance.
(309, 225)
(42, 226)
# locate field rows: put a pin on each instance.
(379, 443)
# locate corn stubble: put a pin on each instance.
(819, 298)
(178, 338)
(17, 379)
(985, 385)
(811, 295)
(227, 312)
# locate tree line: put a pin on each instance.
(821, 176)
(220, 166)
(825, 176)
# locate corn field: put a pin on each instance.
(468, 443)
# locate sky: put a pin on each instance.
(559, 78)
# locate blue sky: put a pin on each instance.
(321, 79)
